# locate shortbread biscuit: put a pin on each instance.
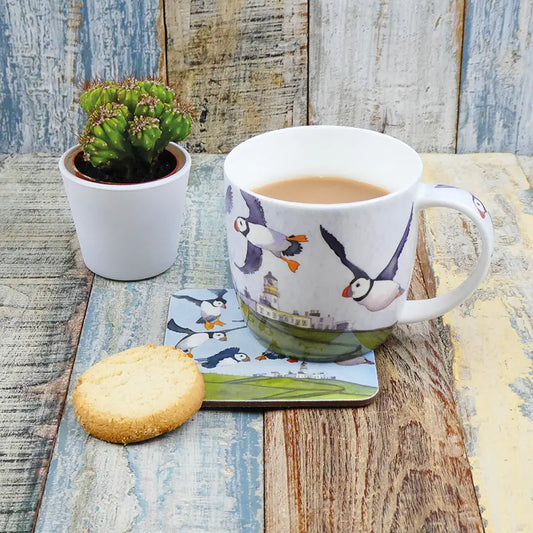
(138, 394)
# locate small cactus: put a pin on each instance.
(130, 123)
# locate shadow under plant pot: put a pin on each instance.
(128, 231)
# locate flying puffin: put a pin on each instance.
(229, 356)
(209, 309)
(260, 238)
(482, 210)
(272, 355)
(374, 293)
(477, 202)
(194, 339)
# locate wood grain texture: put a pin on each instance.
(243, 63)
(492, 332)
(388, 66)
(527, 167)
(44, 288)
(496, 110)
(206, 475)
(49, 48)
(398, 464)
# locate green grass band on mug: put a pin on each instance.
(312, 344)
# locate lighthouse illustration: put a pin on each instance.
(268, 306)
(269, 296)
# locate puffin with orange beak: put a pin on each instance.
(193, 339)
(373, 293)
(260, 237)
(210, 310)
(482, 210)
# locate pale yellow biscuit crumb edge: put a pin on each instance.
(126, 429)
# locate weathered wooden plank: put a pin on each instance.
(206, 475)
(388, 66)
(242, 63)
(527, 166)
(496, 110)
(492, 332)
(398, 464)
(49, 48)
(44, 289)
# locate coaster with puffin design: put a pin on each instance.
(240, 371)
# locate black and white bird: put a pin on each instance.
(192, 338)
(273, 356)
(482, 210)
(210, 310)
(373, 293)
(229, 356)
(260, 237)
(480, 206)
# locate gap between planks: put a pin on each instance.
(46, 468)
(399, 463)
(491, 331)
(44, 290)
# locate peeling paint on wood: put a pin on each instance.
(398, 464)
(409, 441)
(388, 66)
(44, 288)
(492, 332)
(206, 475)
(50, 48)
(496, 101)
(242, 63)
(527, 166)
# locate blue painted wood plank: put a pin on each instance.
(49, 48)
(496, 97)
(205, 476)
(44, 287)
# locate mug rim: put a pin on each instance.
(320, 206)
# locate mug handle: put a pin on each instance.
(472, 207)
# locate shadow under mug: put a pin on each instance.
(328, 282)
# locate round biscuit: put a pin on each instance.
(138, 394)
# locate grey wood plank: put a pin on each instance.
(388, 66)
(205, 476)
(44, 288)
(242, 63)
(49, 48)
(496, 109)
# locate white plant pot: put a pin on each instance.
(128, 232)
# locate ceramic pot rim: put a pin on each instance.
(68, 171)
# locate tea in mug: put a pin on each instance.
(321, 190)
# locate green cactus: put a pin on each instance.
(130, 123)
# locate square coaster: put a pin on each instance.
(240, 371)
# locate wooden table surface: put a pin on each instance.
(446, 446)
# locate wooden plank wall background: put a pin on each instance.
(442, 75)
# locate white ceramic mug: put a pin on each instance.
(329, 281)
(128, 231)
